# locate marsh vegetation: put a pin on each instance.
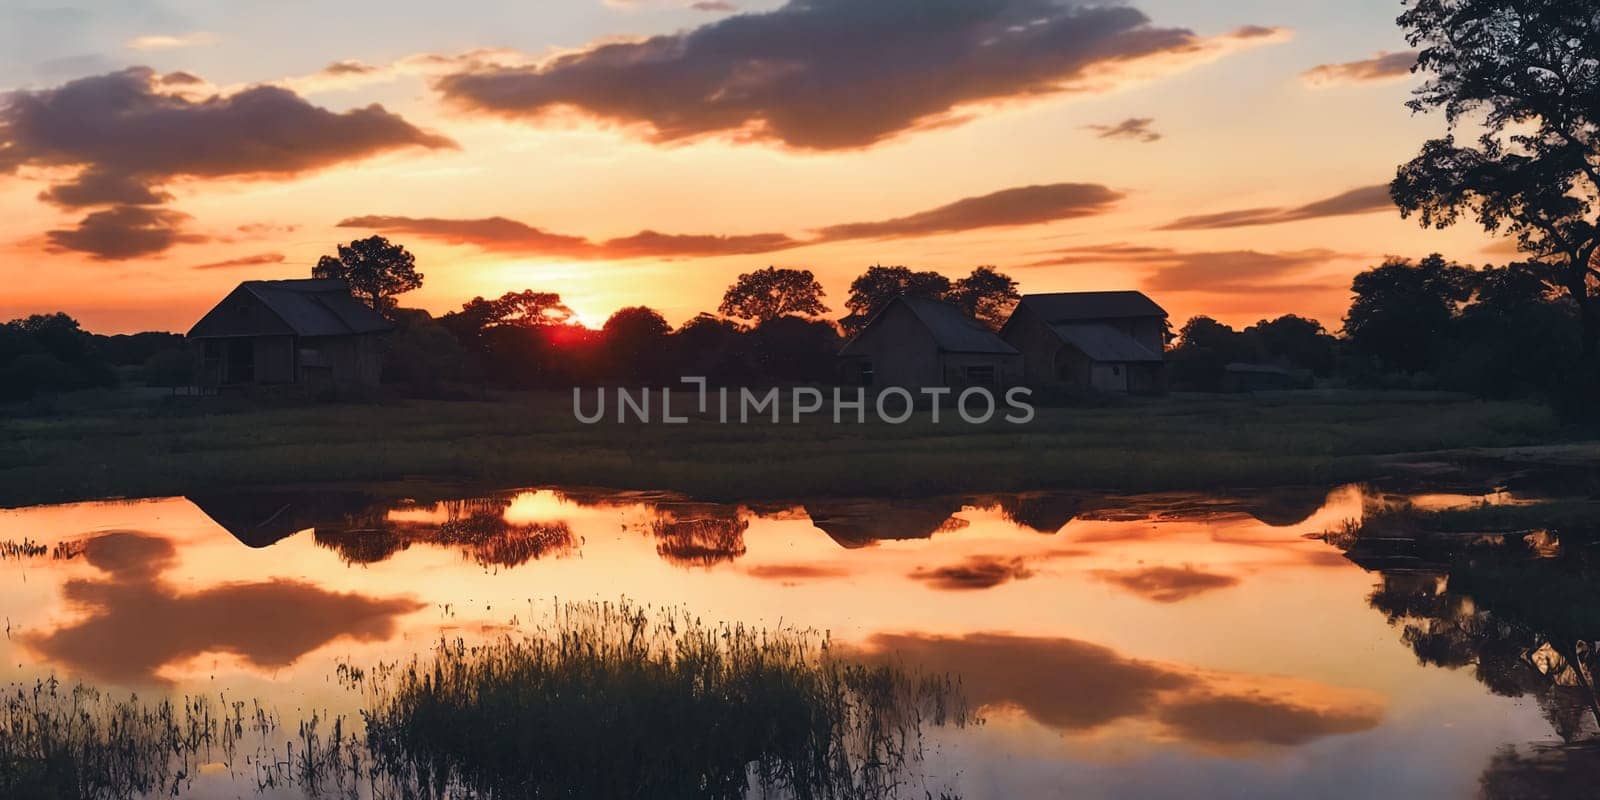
(603, 700)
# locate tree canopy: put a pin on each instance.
(767, 294)
(873, 289)
(1527, 74)
(376, 269)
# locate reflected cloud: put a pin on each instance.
(977, 572)
(1076, 686)
(1167, 584)
(790, 574)
(136, 623)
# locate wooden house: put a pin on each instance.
(915, 342)
(311, 333)
(1110, 342)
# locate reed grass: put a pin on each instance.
(604, 700)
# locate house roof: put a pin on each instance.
(952, 331)
(315, 307)
(1101, 342)
(1079, 306)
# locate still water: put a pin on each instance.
(1149, 646)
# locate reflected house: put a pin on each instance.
(259, 518)
(915, 342)
(310, 334)
(1101, 341)
(861, 522)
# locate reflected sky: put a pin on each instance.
(1119, 645)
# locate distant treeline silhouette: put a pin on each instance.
(1494, 331)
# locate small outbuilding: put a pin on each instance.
(311, 333)
(915, 342)
(1110, 342)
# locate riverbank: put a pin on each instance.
(150, 448)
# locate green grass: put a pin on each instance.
(529, 439)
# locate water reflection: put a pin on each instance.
(1072, 685)
(1120, 645)
(1517, 609)
(135, 623)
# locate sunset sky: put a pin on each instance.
(1225, 157)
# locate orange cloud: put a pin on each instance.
(1384, 66)
(1364, 200)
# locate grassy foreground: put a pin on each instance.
(150, 449)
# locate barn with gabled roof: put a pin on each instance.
(1111, 342)
(309, 332)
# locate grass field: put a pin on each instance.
(148, 448)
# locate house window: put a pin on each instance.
(980, 375)
(866, 373)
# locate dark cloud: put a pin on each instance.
(1236, 271)
(1072, 686)
(1167, 584)
(95, 187)
(1381, 67)
(136, 623)
(833, 74)
(127, 137)
(1364, 200)
(976, 572)
(1027, 205)
(714, 5)
(122, 232)
(244, 261)
(1135, 128)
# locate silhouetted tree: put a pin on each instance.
(1402, 313)
(793, 349)
(986, 295)
(425, 358)
(1205, 347)
(873, 289)
(1527, 74)
(376, 269)
(1517, 337)
(635, 343)
(714, 348)
(47, 353)
(1297, 342)
(767, 294)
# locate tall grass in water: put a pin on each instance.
(603, 701)
(79, 743)
(615, 700)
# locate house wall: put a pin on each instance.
(346, 361)
(901, 351)
(1039, 345)
(274, 359)
(1007, 368)
(1112, 378)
